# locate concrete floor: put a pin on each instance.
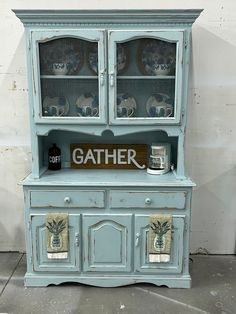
(213, 291)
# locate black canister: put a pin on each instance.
(54, 158)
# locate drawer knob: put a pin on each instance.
(148, 201)
(67, 200)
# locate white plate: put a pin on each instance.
(64, 50)
(158, 105)
(92, 58)
(55, 106)
(157, 57)
(87, 105)
(126, 105)
(122, 58)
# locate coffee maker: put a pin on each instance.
(159, 159)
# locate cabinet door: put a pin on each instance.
(107, 243)
(41, 262)
(142, 263)
(69, 76)
(145, 76)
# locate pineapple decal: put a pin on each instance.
(55, 228)
(160, 229)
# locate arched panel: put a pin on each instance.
(69, 76)
(141, 251)
(42, 262)
(108, 245)
(111, 235)
(145, 76)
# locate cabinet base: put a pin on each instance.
(32, 280)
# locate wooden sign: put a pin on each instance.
(108, 156)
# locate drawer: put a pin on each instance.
(67, 199)
(148, 199)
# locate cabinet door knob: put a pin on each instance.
(67, 200)
(77, 239)
(148, 201)
(102, 77)
(112, 79)
(137, 239)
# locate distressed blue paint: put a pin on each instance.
(45, 36)
(108, 209)
(107, 243)
(99, 17)
(175, 266)
(91, 178)
(40, 260)
(117, 36)
(67, 199)
(147, 199)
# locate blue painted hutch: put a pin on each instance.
(108, 210)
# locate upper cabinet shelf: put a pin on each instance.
(145, 76)
(75, 77)
(97, 73)
(138, 81)
(69, 76)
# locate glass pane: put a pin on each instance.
(69, 78)
(146, 83)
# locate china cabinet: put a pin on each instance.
(107, 77)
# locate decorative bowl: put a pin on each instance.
(60, 68)
(160, 68)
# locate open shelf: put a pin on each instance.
(64, 139)
(103, 177)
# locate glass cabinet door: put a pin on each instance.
(145, 77)
(69, 76)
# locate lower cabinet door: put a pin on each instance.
(107, 243)
(142, 263)
(44, 262)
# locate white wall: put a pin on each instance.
(211, 137)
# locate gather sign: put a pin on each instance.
(109, 156)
